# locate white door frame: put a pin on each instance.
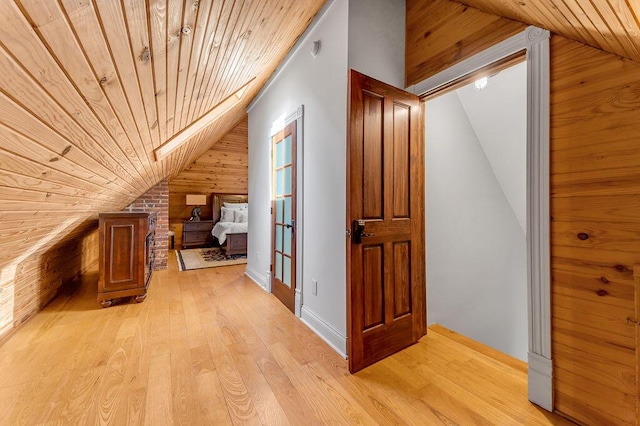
(535, 41)
(297, 116)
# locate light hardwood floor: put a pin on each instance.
(210, 347)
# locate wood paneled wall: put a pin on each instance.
(441, 33)
(224, 168)
(595, 207)
(36, 280)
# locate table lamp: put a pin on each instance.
(196, 200)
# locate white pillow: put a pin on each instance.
(226, 215)
(236, 205)
(241, 216)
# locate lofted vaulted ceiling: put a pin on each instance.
(609, 25)
(90, 88)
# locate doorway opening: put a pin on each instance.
(533, 43)
(476, 210)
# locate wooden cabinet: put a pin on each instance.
(127, 241)
(196, 233)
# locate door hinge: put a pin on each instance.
(271, 210)
(271, 268)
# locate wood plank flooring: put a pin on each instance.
(210, 347)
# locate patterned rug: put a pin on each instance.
(206, 258)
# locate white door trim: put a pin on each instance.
(298, 116)
(536, 43)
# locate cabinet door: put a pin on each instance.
(121, 247)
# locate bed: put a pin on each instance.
(230, 229)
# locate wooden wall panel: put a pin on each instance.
(222, 169)
(39, 278)
(595, 179)
(441, 33)
(595, 104)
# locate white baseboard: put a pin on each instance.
(298, 302)
(256, 277)
(326, 332)
(540, 381)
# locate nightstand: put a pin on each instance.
(196, 233)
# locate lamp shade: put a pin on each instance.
(196, 199)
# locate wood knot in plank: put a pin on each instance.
(103, 80)
(604, 280)
(583, 236)
(145, 56)
(54, 159)
(186, 30)
(66, 150)
(602, 293)
(621, 268)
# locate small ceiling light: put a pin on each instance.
(315, 48)
(481, 83)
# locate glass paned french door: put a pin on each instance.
(283, 214)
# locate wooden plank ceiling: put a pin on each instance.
(89, 88)
(609, 25)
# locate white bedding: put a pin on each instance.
(221, 229)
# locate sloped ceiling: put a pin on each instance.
(609, 25)
(498, 115)
(89, 88)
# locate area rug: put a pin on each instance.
(206, 258)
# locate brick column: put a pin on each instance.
(157, 199)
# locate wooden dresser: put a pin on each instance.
(196, 233)
(127, 244)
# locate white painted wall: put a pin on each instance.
(376, 39)
(498, 115)
(476, 250)
(320, 84)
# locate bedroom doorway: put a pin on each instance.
(283, 215)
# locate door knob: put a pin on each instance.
(358, 231)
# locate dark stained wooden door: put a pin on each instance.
(386, 269)
(283, 258)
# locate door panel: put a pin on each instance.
(386, 289)
(401, 161)
(284, 215)
(402, 279)
(373, 286)
(372, 157)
